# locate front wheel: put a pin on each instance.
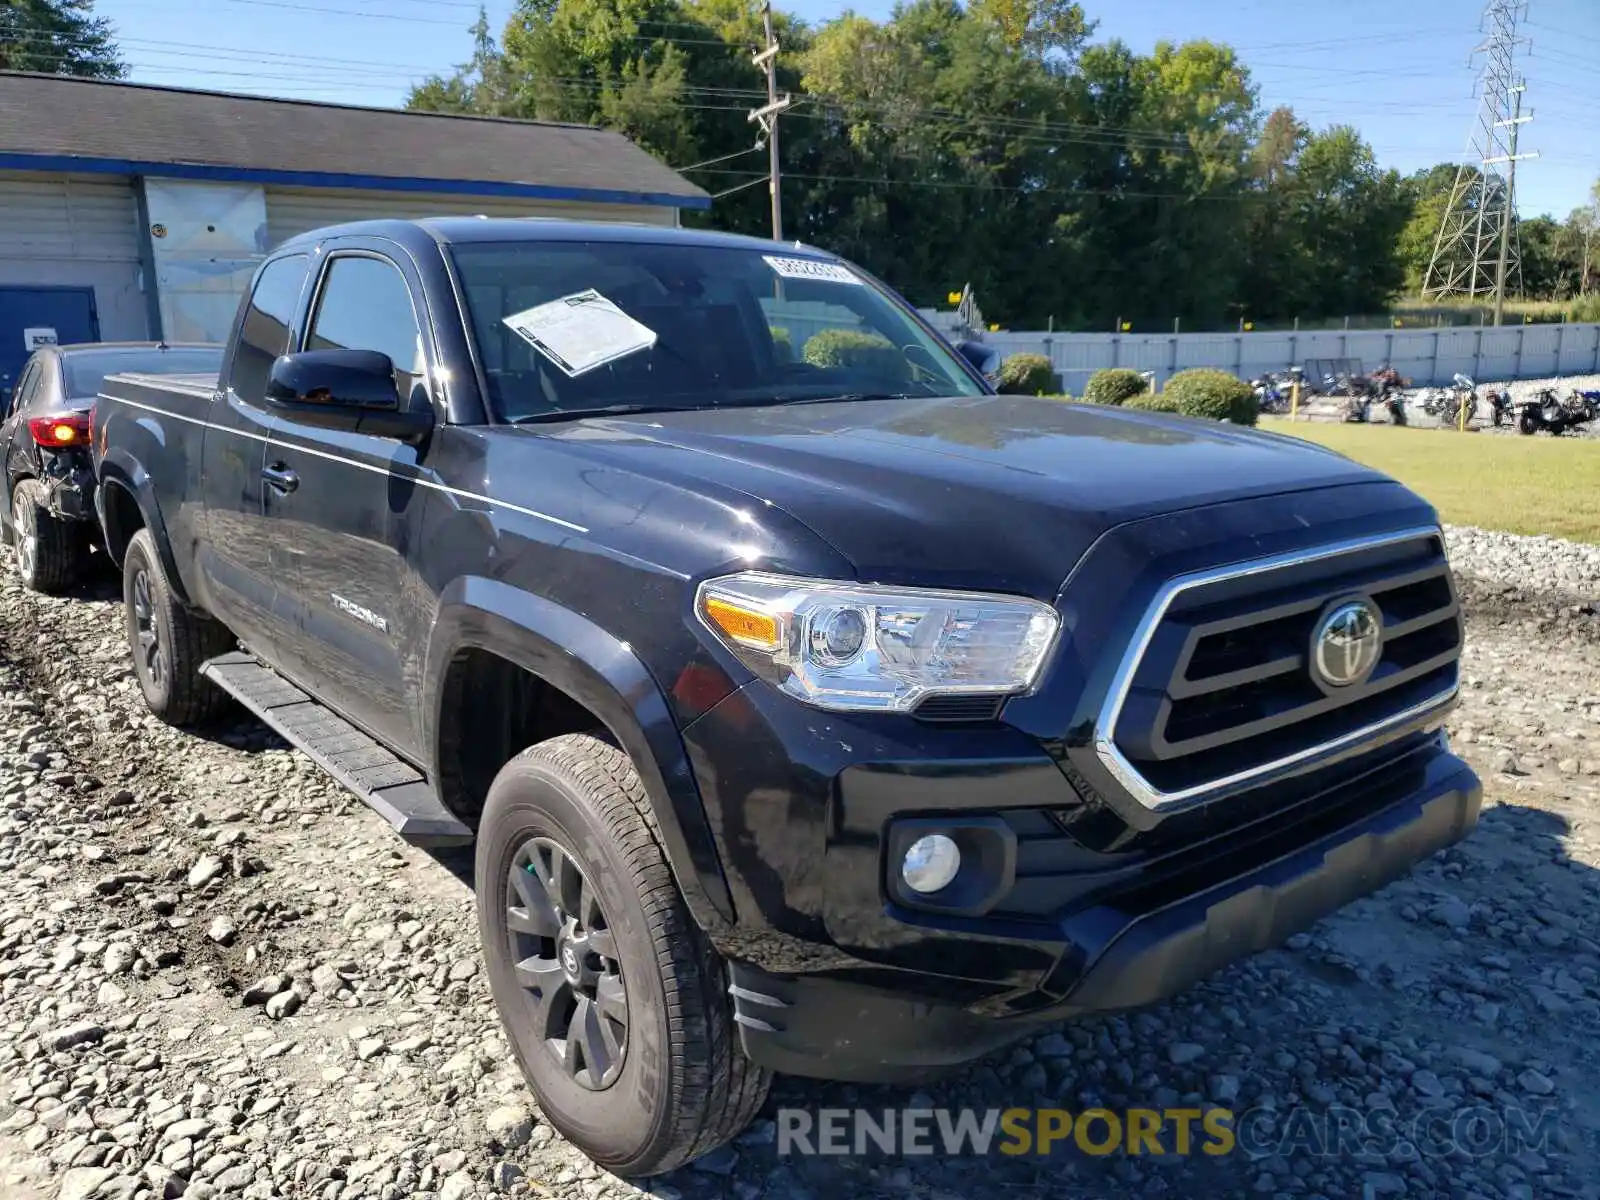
(1528, 423)
(614, 1002)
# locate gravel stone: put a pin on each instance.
(84, 1033)
(510, 1125)
(82, 1182)
(206, 868)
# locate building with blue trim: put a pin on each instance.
(130, 211)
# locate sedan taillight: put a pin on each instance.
(60, 432)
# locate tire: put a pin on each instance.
(679, 1086)
(1528, 423)
(168, 640)
(47, 552)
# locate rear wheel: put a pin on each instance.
(169, 641)
(614, 1002)
(1528, 422)
(48, 552)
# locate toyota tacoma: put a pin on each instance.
(812, 708)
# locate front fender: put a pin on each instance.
(118, 468)
(603, 674)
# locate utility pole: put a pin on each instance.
(767, 115)
(1511, 206)
(1476, 252)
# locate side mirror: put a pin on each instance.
(352, 390)
(984, 359)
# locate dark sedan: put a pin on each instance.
(49, 515)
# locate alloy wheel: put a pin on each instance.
(147, 628)
(565, 958)
(24, 520)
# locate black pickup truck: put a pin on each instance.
(813, 708)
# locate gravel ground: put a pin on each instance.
(222, 976)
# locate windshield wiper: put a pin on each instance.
(606, 410)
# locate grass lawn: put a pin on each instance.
(1518, 484)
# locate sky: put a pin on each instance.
(1396, 69)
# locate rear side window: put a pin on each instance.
(23, 390)
(366, 305)
(265, 332)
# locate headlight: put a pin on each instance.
(877, 649)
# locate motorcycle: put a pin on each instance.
(1272, 392)
(1384, 386)
(1395, 403)
(1502, 410)
(1355, 408)
(1556, 415)
(1454, 405)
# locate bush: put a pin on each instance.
(1159, 402)
(782, 344)
(851, 348)
(1585, 308)
(1027, 375)
(1114, 385)
(1204, 392)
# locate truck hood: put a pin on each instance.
(1006, 492)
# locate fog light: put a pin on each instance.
(931, 863)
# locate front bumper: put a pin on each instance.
(1133, 948)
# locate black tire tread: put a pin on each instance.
(58, 557)
(717, 1090)
(192, 699)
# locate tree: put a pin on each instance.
(1430, 190)
(58, 37)
(479, 86)
(982, 141)
(1282, 138)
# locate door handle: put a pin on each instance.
(280, 478)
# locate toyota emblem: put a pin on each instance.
(1346, 644)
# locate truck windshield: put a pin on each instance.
(579, 327)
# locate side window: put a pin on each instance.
(27, 387)
(366, 305)
(264, 335)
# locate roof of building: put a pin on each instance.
(57, 123)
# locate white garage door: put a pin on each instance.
(75, 231)
(293, 211)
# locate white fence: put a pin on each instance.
(1426, 357)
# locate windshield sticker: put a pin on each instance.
(581, 332)
(810, 268)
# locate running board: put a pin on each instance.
(392, 787)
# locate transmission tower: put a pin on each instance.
(1476, 253)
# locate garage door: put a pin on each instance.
(293, 211)
(82, 233)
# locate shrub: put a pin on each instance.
(1585, 308)
(782, 343)
(1114, 385)
(1160, 402)
(1027, 375)
(851, 348)
(1204, 392)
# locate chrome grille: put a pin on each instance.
(1219, 688)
